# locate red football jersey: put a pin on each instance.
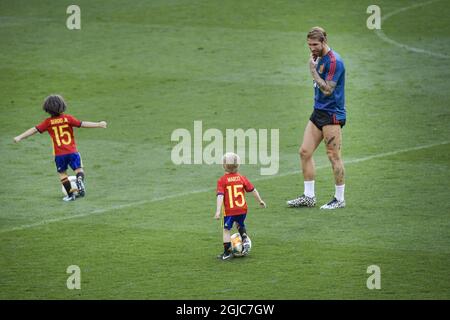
(61, 132)
(233, 186)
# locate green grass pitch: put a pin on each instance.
(146, 228)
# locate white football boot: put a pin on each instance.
(302, 201)
(334, 204)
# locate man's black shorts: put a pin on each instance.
(322, 118)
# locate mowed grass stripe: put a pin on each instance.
(177, 195)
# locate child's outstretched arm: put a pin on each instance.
(219, 206)
(25, 135)
(87, 124)
(258, 198)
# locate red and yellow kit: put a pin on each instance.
(61, 132)
(233, 187)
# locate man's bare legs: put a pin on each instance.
(311, 140)
(333, 142)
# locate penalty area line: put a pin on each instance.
(385, 38)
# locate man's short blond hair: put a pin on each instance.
(231, 162)
(317, 33)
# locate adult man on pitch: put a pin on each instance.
(326, 122)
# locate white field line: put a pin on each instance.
(385, 38)
(177, 195)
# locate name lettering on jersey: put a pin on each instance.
(254, 146)
(233, 179)
(58, 121)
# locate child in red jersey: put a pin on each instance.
(231, 188)
(59, 125)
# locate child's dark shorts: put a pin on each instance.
(64, 161)
(229, 220)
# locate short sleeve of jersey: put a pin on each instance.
(335, 70)
(43, 126)
(220, 187)
(248, 185)
(74, 122)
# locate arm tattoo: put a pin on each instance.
(327, 87)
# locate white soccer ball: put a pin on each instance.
(73, 185)
(237, 245)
